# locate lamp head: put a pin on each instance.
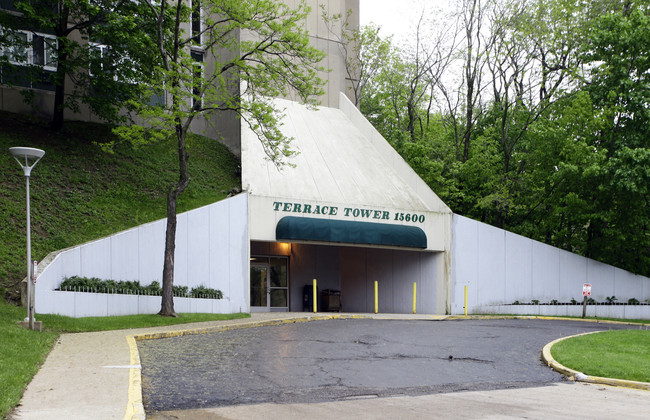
(27, 157)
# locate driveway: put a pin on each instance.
(338, 360)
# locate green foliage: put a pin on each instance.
(202, 291)
(253, 51)
(273, 59)
(22, 351)
(93, 284)
(104, 78)
(80, 193)
(557, 146)
(620, 354)
(180, 290)
(364, 51)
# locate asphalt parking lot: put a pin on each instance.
(332, 360)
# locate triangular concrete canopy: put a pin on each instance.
(342, 159)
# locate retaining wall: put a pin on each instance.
(501, 267)
(212, 249)
(599, 311)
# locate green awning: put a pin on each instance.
(292, 228)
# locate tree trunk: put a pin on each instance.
(59, 97)
(167, 304)
(61, 31)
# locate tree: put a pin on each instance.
(619, 87)
(363, 50)
(538, 126)
(83, 41)
(219, 57)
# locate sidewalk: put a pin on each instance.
(566, 401)
(86, 376)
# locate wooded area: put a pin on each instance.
(530, 115)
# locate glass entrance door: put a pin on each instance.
(278, 285)
(259, 287)
(269, 284)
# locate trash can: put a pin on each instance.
(308, 298)
(330, 300)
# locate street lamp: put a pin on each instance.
(27, 158)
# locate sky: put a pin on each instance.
(397, 18)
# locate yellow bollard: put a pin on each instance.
(415, 285)
(376, 298)
(465, 300)
(315, 295)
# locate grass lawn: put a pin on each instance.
(22, 351)
(79, 192)
(623, 354)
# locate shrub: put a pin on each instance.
(204, 292)
(93, 284)
(180, 291)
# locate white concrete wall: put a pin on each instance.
(500, 267)
(599, 311)
(212, 249)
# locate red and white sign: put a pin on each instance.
(34, 271)
(586, 289)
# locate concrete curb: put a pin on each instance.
(574, 375)
(135, 407)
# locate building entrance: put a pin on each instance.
(269, 284)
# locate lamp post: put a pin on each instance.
(27, 158)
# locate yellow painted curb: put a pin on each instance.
(135, 407)
(252, 324)
(579, 376)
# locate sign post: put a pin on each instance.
(586, 292)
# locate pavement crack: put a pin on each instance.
(465, 359)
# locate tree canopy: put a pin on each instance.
(532, 116)
(220, 59)
(88, 52)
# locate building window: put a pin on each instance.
(98, 58)
(197, 85)
(104, 60)
(196, 21)
(8, 5)
(31, 48)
